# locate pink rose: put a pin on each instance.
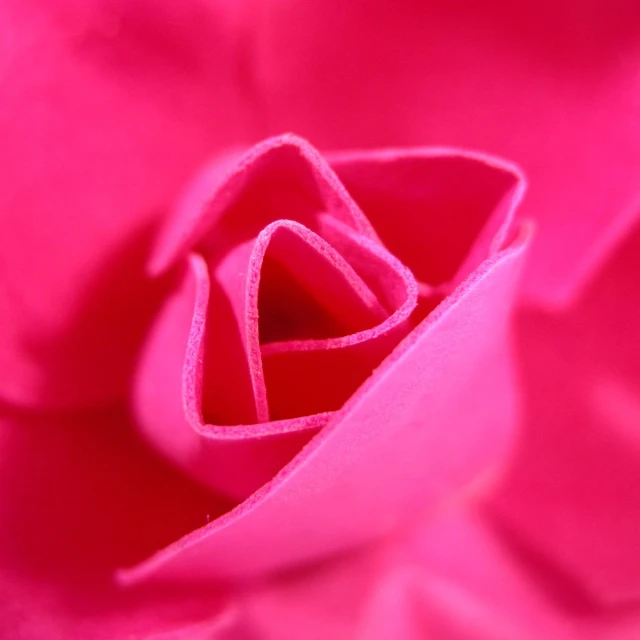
(296, 356)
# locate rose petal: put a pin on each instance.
(168, 401)
(234, 389)
(572, 490)
(237, 196)
(108, 108)
(450, 209)
(80, 495)
(308, 291)
(173, 372)
(453, 579)
(450, 578)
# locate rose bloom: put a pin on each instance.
(377, 379)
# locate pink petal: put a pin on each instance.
(329, 278)
(108, 108)
(228, 379)
(451, 578)
(80, 495)
(238, 195)
(312, 376)
(571, 494)
(239, 459)
(306, 279)
(168, 400)
(463, 582)
(449, 207)
(315, 603)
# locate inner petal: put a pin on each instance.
(449, 208)
(286, 284)
(305, 377)
(308, 291)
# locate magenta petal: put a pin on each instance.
(454, 580)
(236, 196)
(332, 299)
(315, 603)
(312, 376)
(572, 491)
(172, 402)
(80, 495)
(440, 211)
(168, 401)
(234, 387)
(453, 577)
(108, 108)
(464, 582)
(436, 416)
(449, 578)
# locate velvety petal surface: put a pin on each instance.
(451, 578)
(80, 495)
(571, 494)
(457, 204)
(108, 108)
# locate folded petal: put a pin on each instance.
(279, 393)
(304, 377)
(169, 399)
(108, 108)
(450, 208)
(239, 194)
(207, 389)
(437, 415)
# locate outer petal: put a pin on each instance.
(572, 492)
(454, 579)
(108, 107)
(451, 578)
(550, 84)
(238, 194)
(80, 495)
(437, 415)
(322, 601)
